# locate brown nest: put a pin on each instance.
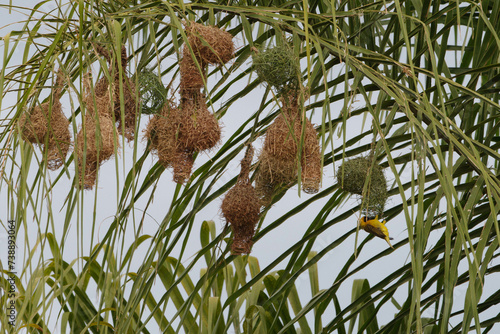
(175, 135)
(160, 134)
(241, 208)
(192, 77)
(210, 44)
(197, 129)
(47, 126)
(264, 185)
(278, 160)
(182, 164)
(311, 161)
(126, 121)
(95, 141)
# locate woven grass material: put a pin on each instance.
(95, 142)
(210, 44)
(311, 161)
(197, 129)
(192, 77)
(47, 126)
(176, 133)
(241, 208)
(279, 67)
(182, 164)
(153, 94)
(278, 160)
(161, 144)
(125, 124)
(352, 176)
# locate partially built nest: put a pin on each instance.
(278, 66)
(241, 208)
(124, 92)
(210, 44)
(47, 126)
(95, 142)
(352, 176)
(153, 94)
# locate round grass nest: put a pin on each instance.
(352, 176)
(153, 94)
(264, 187)
(210, 44)
(47, 126)
(241, 208)
(277, 66)
(159, 133)
(94, 146)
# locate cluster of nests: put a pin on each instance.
(291, 148)
(110, 103)
(363, 177)
(175, 133)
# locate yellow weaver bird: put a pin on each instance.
(375, 227)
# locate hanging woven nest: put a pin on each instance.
(352, 176)
(279, 67)
(182, 164)
(160, 132)
(264, 186)
(197, 129)
(311, 161)
(210, 44)
(175, 134)
(241, 208)
(278, 161)
(95, 142)
(193, 76)
(124, 91)
(47, 126)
